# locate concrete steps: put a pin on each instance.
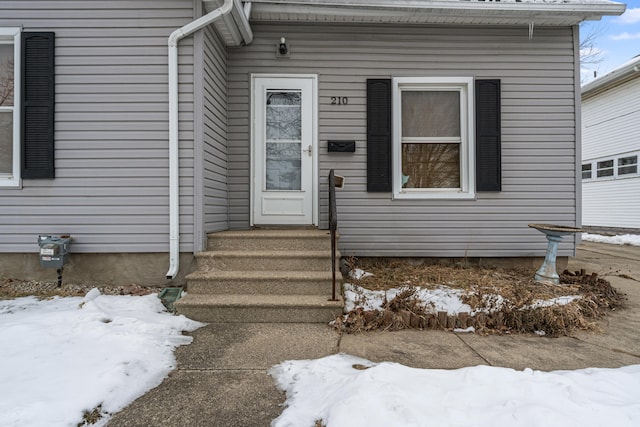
(262, 276)
(267, 282)
(270, 239)
(264, 260)
(259, 308)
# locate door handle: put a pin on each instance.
(309, 151)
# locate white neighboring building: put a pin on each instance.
(611, 148)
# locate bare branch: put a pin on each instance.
(6, 82)
(589, 35)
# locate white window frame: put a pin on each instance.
(612, 168)
(12, 35)
(616, 166)
(463, 85)
(590, 171)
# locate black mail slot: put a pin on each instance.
(342, 146)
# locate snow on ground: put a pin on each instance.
(359, 273)
(625, 239)
(342, 392)
(63, 356)
(442, 298)
(564, 300)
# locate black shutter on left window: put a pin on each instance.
(379, 135)
(38, 103)
(488, 136)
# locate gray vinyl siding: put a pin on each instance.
(538, 132)
(216, 216)
(111, 128)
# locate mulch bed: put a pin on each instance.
(516, 312)
(15, 288)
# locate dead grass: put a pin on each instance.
(513, 311)
(91, 417)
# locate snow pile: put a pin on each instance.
(625, 239)
(64, 356)
(345, 391)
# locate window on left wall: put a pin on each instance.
(9, 107)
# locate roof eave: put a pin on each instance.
(444, 12)
(627, 71)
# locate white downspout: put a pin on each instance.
(174, 172)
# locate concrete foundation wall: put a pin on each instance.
(144, 269)
(148, 269)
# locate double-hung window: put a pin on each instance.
(9, 107)
(433, 147)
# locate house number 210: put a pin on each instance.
(339, 100)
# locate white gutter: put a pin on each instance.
(174, 170)
(603, 6)
(619, 75)
(509, 12)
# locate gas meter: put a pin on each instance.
(54, 252)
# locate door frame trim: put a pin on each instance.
(315, 200)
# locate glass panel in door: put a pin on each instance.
(283, 143)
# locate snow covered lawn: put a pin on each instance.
(345, 391)
(64, 356)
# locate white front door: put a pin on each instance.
(283, 130)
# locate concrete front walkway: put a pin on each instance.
(222, 377)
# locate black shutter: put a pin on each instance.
(488, 137)
(379, 135)
(37, 104)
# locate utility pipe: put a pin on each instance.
(174, 169)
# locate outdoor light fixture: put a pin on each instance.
(283, 47)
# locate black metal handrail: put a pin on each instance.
(333, 228)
